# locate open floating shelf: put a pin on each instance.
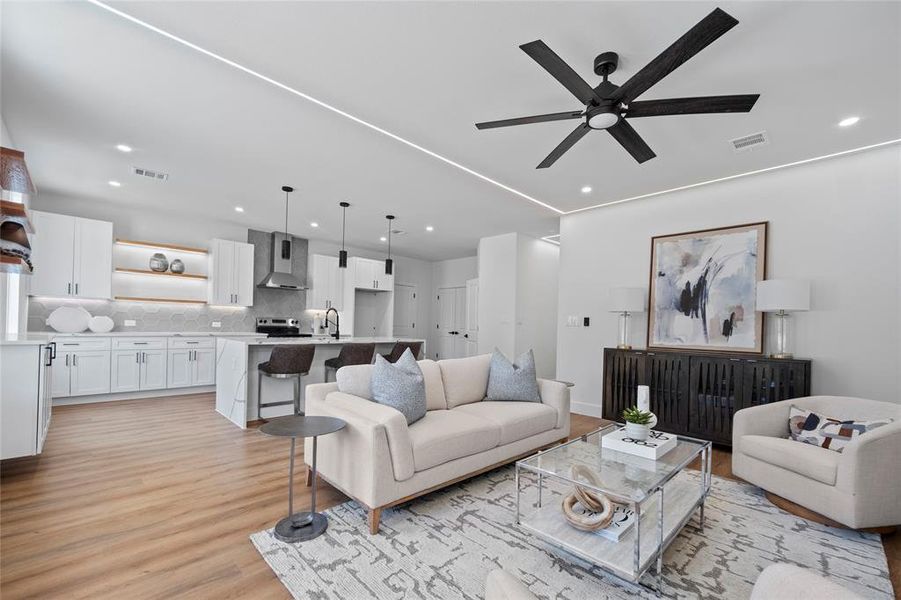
(173, 300)
(162, 246)
(160, 273)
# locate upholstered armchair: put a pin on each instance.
(859, 487)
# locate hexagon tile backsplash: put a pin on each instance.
(154, 316)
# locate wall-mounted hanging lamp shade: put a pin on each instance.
(389, 264)
(342, 254)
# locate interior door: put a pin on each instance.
(126, 371)
(153, 369)
(60, 375)
(93, 259)
(203, 367)
(52, 246)
(243, 277)
(90, 373)
(180, 368)
(445, 323)
(404, 310)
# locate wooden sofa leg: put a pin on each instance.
(309, 478)
(375, 515)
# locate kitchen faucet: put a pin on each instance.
(337, 333)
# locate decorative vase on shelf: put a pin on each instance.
(177, 266)
(159, 262)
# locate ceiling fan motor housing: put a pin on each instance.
(605, 63)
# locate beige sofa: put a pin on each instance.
(380, 462)
(858, 487)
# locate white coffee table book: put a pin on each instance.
(657, 444)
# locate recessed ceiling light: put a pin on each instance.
(383, 239)
(239, 209)
(123, 148)
(429, 228)
(586, 189)
(847, 122)
(314, 224)
(115, 183)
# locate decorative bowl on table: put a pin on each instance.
(101, 324)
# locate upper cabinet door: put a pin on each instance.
(52, 247)
(384, 282)
(336, 284)
(93, 259)
(325, 281)
(364, 274)
(243, 274)
(222, 272)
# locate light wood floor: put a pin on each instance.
(156, 499)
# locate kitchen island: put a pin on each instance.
(237, 359)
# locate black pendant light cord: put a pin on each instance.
(342, 254)
(389, 264)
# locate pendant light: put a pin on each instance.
(389, 264)
(342, 254)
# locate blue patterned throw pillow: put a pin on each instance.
(400, 385)
(513, 381)
(810, 428)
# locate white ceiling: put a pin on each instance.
(77, 80)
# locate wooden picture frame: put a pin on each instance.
(702, 291)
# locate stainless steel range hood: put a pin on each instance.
(281, 257)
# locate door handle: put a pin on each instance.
(466, 335)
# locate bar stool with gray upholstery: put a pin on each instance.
(351, 354)
(400, 348)
(286, 362)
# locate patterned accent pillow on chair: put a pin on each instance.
(810, 428)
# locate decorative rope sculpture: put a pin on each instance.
(596, 509)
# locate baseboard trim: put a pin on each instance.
(70, 400)
(584, 408)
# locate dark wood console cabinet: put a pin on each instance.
(696, 393)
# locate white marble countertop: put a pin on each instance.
(318, 341)
(154, 334)
(25, 339)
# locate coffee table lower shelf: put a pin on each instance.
(682, 497)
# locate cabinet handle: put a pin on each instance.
(53, 350)
(143, 357)
(138, 357)
(69, 289)
(74, 360)
(140, 343)
(76, 289)
(67, 360)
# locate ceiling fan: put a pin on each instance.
(607, 106)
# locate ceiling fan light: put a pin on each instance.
(603, 120)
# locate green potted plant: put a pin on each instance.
(638, 423)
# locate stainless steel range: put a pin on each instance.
(280, 327)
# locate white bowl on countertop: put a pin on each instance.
(69, 319)
(101, 324)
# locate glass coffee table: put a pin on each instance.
(661, 495)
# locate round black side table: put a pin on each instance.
(302, 526)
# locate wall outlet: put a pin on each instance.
(129, 323)
(572, 321)
(216, 324)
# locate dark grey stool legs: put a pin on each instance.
(295, 401)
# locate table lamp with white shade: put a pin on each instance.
(625, 301)
(783, 296)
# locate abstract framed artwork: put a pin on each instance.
(703, 289)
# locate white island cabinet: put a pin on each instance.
(26, 367)
(73, 257)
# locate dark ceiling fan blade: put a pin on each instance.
(565, 145)
(623, 133)
(698, 37)
(561, 71)
(560, 116)
(689, 106)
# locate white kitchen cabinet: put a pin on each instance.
(25, 404)
(89, 373)
(153, 369)
(370, 275)
(73, 257)
(231, 272)
(126, 371)
(192, 361)
(326, 282)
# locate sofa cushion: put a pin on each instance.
(399, 385)
(810, 461)
(355, 380)
(810, 428)
(444, 435)
(513, 381)
(465, 379)
(516, 420)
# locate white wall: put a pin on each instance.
(833, 222)
(6, 139)
(497, 294)
(447, 273)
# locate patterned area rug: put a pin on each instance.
(444, 545)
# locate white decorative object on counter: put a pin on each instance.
(69, 319)
(101, 324)
(656, 445)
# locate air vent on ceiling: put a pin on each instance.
(748, 142)
(151, 174)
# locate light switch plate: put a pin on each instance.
(129, 323)
(216, 324)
